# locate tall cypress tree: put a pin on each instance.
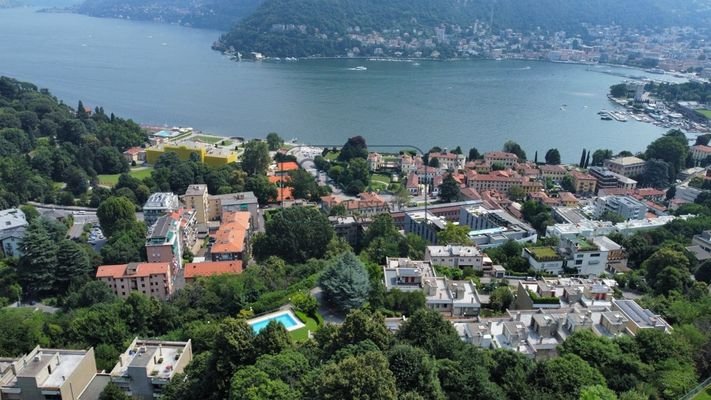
(535, 158)
(582, 160)
(38, 263)
(587, 160)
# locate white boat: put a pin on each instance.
(358, 68)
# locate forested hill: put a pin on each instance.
(309, 27)
(211, 14)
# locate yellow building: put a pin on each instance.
(213, 156)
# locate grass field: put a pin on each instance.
(704, 394)
(112, 180)
(332, 156)
(209, 139)
(705, 113)
(301, 335)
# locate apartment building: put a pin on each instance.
(625, 166)
(583, 183)
(195, 198)
(44, 374)
(625, 206)
(232, 237)
(159, 204)
(13, 224)
(424, 224)
(147, 366)
(556, 173)
(491, 228)
(241, 201)
(193, 271)
(639, 318)
(508, 160)
(700, 153)
(502, 181)
(151, 279)
(457, 256)
(449, 161)
(607, 179)
(163, 242)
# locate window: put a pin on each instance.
(595, 255)
(578, 262)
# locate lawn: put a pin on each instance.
(302, 335)
(112, 180)
(209, 139)
(703, 395)
(705, 113)
(384, 179)
(331, 156)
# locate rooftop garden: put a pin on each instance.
(586, 245)
(542, 254)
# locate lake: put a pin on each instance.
(164, 74)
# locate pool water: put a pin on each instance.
(285, 319)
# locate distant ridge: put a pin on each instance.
(319, 27)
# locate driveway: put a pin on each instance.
(329, 315)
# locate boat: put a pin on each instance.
(358, 68)
(606, 118)
(416, 64)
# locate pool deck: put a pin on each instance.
(272, 315)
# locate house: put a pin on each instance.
(424, 224)
(494, 227)
(43, 373)
(13, 225)
(449, 161)
(366, 205)
(556, 173)
(405, 274)
(626, 166)
(701, 246)
(375, 162)
(543, 259)
(349, 229)
(232, 237)
(135, 155)
(457, 256)
(284, 168)
(584, 255)
(241, 201)
(568, 199)
(211, 268)
(583, 183)
(639, 318)
(148, 365)
(457, 299)
(550, 293)
(151, 279)
(413, 184)
(508, 160)
(607, 179)
(159, 204)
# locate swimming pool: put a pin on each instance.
(286, 318)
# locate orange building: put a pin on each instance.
(211, 268)
(152, 279)
(232, 237)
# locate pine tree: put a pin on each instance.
(582, 160)
(587, 160)
(81, 111)
(72, 263)
(38, 264)
(535, 158)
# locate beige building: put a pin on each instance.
(147, 366)
(625, 166)
(47, 374)
(583, 183)
(152, 279)
(508, 160)
(195, 197)
(700, 152)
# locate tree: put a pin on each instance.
(255, 159)
(703, 272)
(564, 377)
(415, 371)
(77, 180)
(295, 234)
(113, 392)
(109, 160)
(703, 139)
(274, 141)
(673, 148)
(516, 193)
(535, 158)
(428, 330)
(449, 189)
(671, 193)
(273, 339)
(667, 269)
(364, 376)
(361, 326)
(473, 154)
(597, 392)
(72, 264)
(125, 246)
(619, 91)
(263, 190)
(553, 157)
(38, 264)
(600, 155)
(434, 162)
(304, 184)
(234, 342)
(355, 147)
(656, 174)
(501, 298)
(252, 384)
(581, 163)
(453, 234)
(587, 160)
(116, 214)
(513, 147)
(345, 282)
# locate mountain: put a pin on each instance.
(210, 14)
(327, 27)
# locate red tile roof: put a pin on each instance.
(231, 234)
(286, 166)
(194, 270)
(141, 270)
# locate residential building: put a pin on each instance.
(375, 161)
(424, 224)
(147, 366)
(43, 374)
(193, 271)
(568, 199)
(543, 259)
(349, 229)
(616, 254)
(700, 153)
(159, 204)
(583, 255)
(242, 201)
(135, 155)
(556, 173)
(583, 183)
(151, 279)
(284, 168)
(686, 194)
(502, 181)
(449, 161)
(366, 205)
(625, 206)
(406, 275)
(639, 318)
(413, 184)
(206, 153)
(457, 299)
(196, 198)
(508, 160)
(232, 237)
(625, 166)
(409, 164)
(607, 179)
(13, 224)
(551, 293)
(457, 256)
(163, 242)
(492, 228)
(703, 240)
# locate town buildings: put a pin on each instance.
(551, 293)
(366, 205)
(13, 224)
(147, 366)
(193, 271)
(163, 242)
(583, 183)
(151, 279)
(424, 224)
(232, 237)
(494, 227)
(502, 181)
(700, 153)
(456, 256)
(625, 166)
(195, 198)
(159, 204)
(507, 160)
(607, 179)
(43, 374)
(449, 161)
(205, 153)
(624, 206)
(135, 155)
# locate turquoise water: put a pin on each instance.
(165, 74)
(285, 319)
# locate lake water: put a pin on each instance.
(163, 74)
